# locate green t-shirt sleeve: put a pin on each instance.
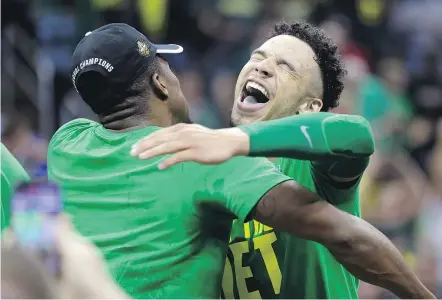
(12, 173)
(236, 185)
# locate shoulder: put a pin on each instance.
(76, 125)
(72, 127)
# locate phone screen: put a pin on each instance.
(35, 208)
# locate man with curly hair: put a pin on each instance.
(291, 82)
(298, 71)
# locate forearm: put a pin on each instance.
(357, 245)
(371, 256)
(311, 137)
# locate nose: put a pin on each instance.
(264, 68)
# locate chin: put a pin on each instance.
(243, 119)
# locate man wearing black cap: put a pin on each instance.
(164, 233)
(116, 69)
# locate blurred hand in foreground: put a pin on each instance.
(84, 273)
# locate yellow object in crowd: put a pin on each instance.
(153, 14)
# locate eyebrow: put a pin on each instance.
(263, 53)
(260, 52)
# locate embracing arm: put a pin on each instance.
(338, 145)
(357, 245)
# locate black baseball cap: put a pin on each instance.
(119, 54)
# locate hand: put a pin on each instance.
(190, 142)
(84, 273)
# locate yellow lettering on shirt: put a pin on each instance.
(263, 239)
(242, 273)
(264, 244)
(247, 230)
(267, 228)
(228, 280)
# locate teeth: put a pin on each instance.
(258, 87)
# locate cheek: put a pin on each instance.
(286, 100)
(288, 91)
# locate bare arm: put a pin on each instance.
(357, 245)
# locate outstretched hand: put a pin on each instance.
(190, 142)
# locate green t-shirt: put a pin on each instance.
(264, 263)
(12, 174)
(164, 233)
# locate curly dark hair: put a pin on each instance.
(327, 57)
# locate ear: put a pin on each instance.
(159, 86)
(310, 105)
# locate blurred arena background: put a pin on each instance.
(392, 51)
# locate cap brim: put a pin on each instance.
(169, 48)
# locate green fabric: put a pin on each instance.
(338, 144)
(264, 263)
(12, 174)
(164, 233)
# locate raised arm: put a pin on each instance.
(344, 140)
(338, 145)
(361, 248)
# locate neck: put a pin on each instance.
(133, 115)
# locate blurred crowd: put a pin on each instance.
(391, 50)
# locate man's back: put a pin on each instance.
(163, 233)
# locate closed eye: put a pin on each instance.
(286, 66)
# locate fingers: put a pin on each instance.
(68, 239)
(186, 155)
(161, 149)
(169, 134)
(64, 232)
(153, 141)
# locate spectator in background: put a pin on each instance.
(21, 140)
(227, 21)
(426, 95)
(384, 103)
(431, 218)
(57, 32)
(201, 111)
(393, 191)
(357, 73)
(222, 91)
(153, 17)
(338, 28)
(111, 11)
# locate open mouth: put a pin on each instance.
(253, 96)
